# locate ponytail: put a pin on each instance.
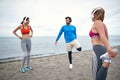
(23, 20)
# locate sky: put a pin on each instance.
(48, 16)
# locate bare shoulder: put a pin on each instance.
(98, 24)
(29, 25)
(19, 26)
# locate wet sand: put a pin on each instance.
(56, 68)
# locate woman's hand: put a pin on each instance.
(112, 53)
(30, 35)
(20, 37)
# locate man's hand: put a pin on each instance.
(56, 43)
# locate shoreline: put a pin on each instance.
(33, 56)
(10, 59)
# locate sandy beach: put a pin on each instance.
(56, 68)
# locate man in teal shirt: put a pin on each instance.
(70, 38)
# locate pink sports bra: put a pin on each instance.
(93, 35)
(96, 35)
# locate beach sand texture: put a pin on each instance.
(56, 68)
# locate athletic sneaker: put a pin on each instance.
(70, 66)
(22, 70)
(105, 57)
(29, 68)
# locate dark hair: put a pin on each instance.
(25, 19)
(69, 18)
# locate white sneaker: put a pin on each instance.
(105, 57)
(70, 66)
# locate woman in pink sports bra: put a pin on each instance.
(99, 40)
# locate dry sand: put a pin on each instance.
(56, 68)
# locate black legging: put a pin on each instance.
(70, 55)
(79, 49)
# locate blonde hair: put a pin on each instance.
(98, 13)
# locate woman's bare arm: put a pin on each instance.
(15, 30)
(100, 28)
